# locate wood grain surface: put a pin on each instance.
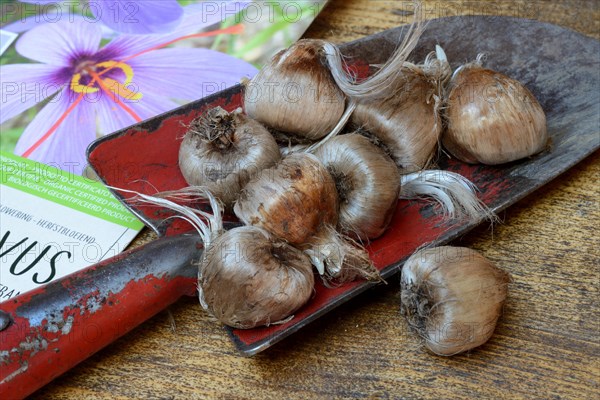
(547, 344)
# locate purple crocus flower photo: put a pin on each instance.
(91, 90)
(130, 16)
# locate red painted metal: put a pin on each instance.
(56, 326)
(61, 324)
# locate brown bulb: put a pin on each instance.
(297, 201)
(367, 181)
(222, 151)
(248, 279)
(293, 200)
(492, 119)
(407, 123)
(296, 93)
(452, 297)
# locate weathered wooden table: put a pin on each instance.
(546, 345)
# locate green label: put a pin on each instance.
(65, 188)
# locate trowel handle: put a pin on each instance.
(51, 329)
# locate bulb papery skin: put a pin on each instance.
(296, 93)
(222, 151)
(452, 297)
(339, 259)
(368, 184)
(492, 119)
(407, 123)
(292, 200)
(248, 279)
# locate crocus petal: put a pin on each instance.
(39, 1)
(24, 85)
(187, 74)
(51, 16)
(65, 148)
(30, 22)
(155, 105)
(138, 17)
(195, 18)
(113, 117)
(61, 42)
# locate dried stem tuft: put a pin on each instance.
(378, 84)
(455, 194)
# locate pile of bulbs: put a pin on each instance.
(309, 193)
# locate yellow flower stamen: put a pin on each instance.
(116, 87)
(79, 88)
